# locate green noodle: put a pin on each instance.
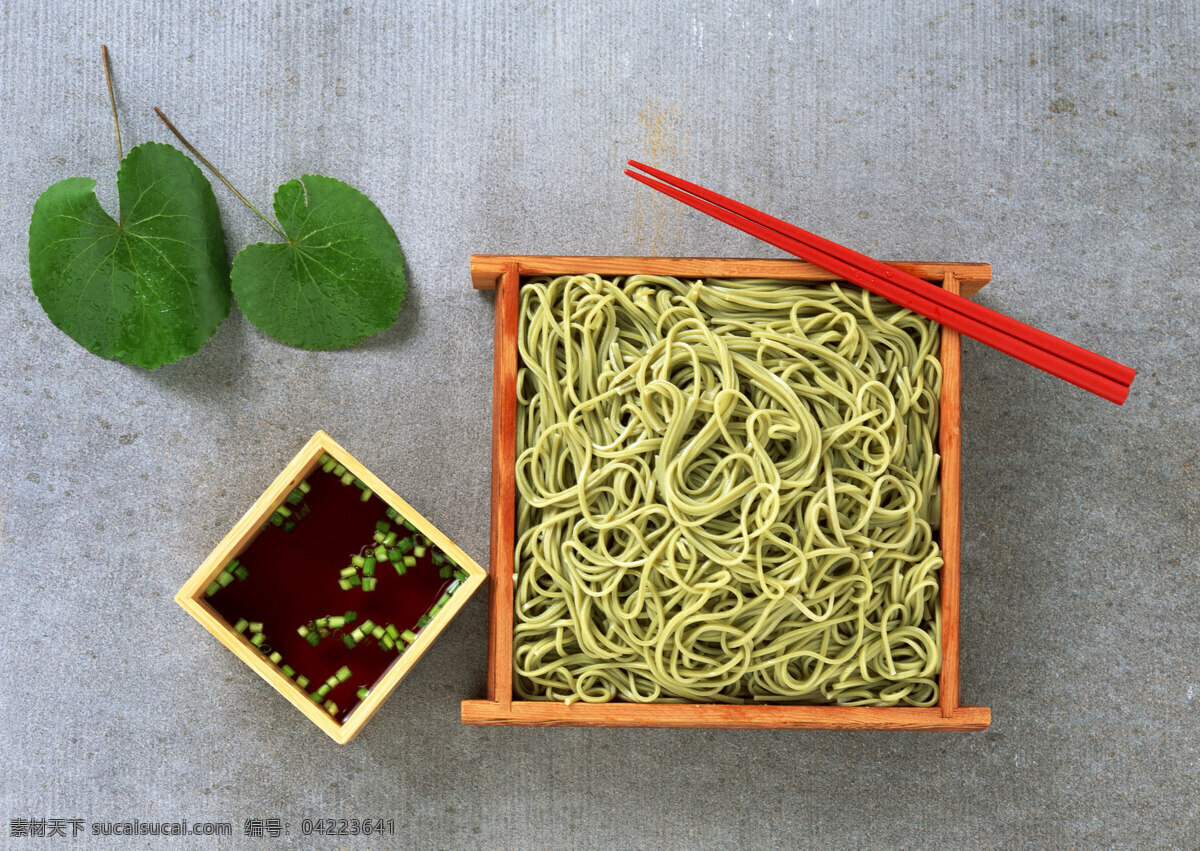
(727, 491)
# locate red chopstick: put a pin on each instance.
(1059, 357)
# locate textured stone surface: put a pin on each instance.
(1055, 140)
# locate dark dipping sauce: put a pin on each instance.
(294, 580)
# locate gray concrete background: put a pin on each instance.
(1056, 140)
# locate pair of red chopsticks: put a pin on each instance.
(1070, 362)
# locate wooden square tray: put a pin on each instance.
(504, 274)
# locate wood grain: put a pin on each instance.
(950, 448)
(486, 269)
(504, 487)
(505, 273)
(742, 717)
(191, 596)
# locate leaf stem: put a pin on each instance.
(220, 176)
(112, 100)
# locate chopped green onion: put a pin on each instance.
(349, 641)
(386, 643)
(383, 526)
(348, 479)
(357, 634)
(283, 511)
(410, 561)
(419, 551)
(368, 583)
(368, 625)
(332, 682)
(423, 621)
(255, 626)
(331, 707)
(241, 572)
(437, 607)
(409, 636)
(339, 470)
(408, 525)
(241, 625)
(446, 571)
(329, 466)
(357, 561)
(461, 575)
(345, 584)
(379, 537)
(381, 553)
(302, 681)
(348, 572)
(404, 545)
(289, 525)
(379, 632)
(369, 567)
(313, 639)
(276, 520)
(389, 539)
(400, 568)
(303, 630)
(213, 588)
(355, 581)
(342, 673)
(438, 559)
(258, 639)
(288, 671)
(362, 692)
(351, 616)
(452, 587)
(392, 631)
(391, 513)
(366, 494)
(324, 457)
(276, 657)
(304, 486)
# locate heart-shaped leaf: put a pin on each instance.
(148, 289)
(337, 280)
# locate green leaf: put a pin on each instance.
(339, 278)
(146, 290)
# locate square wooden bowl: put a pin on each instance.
(192, 595)
(505, 275)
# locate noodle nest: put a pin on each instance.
(727, 491)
